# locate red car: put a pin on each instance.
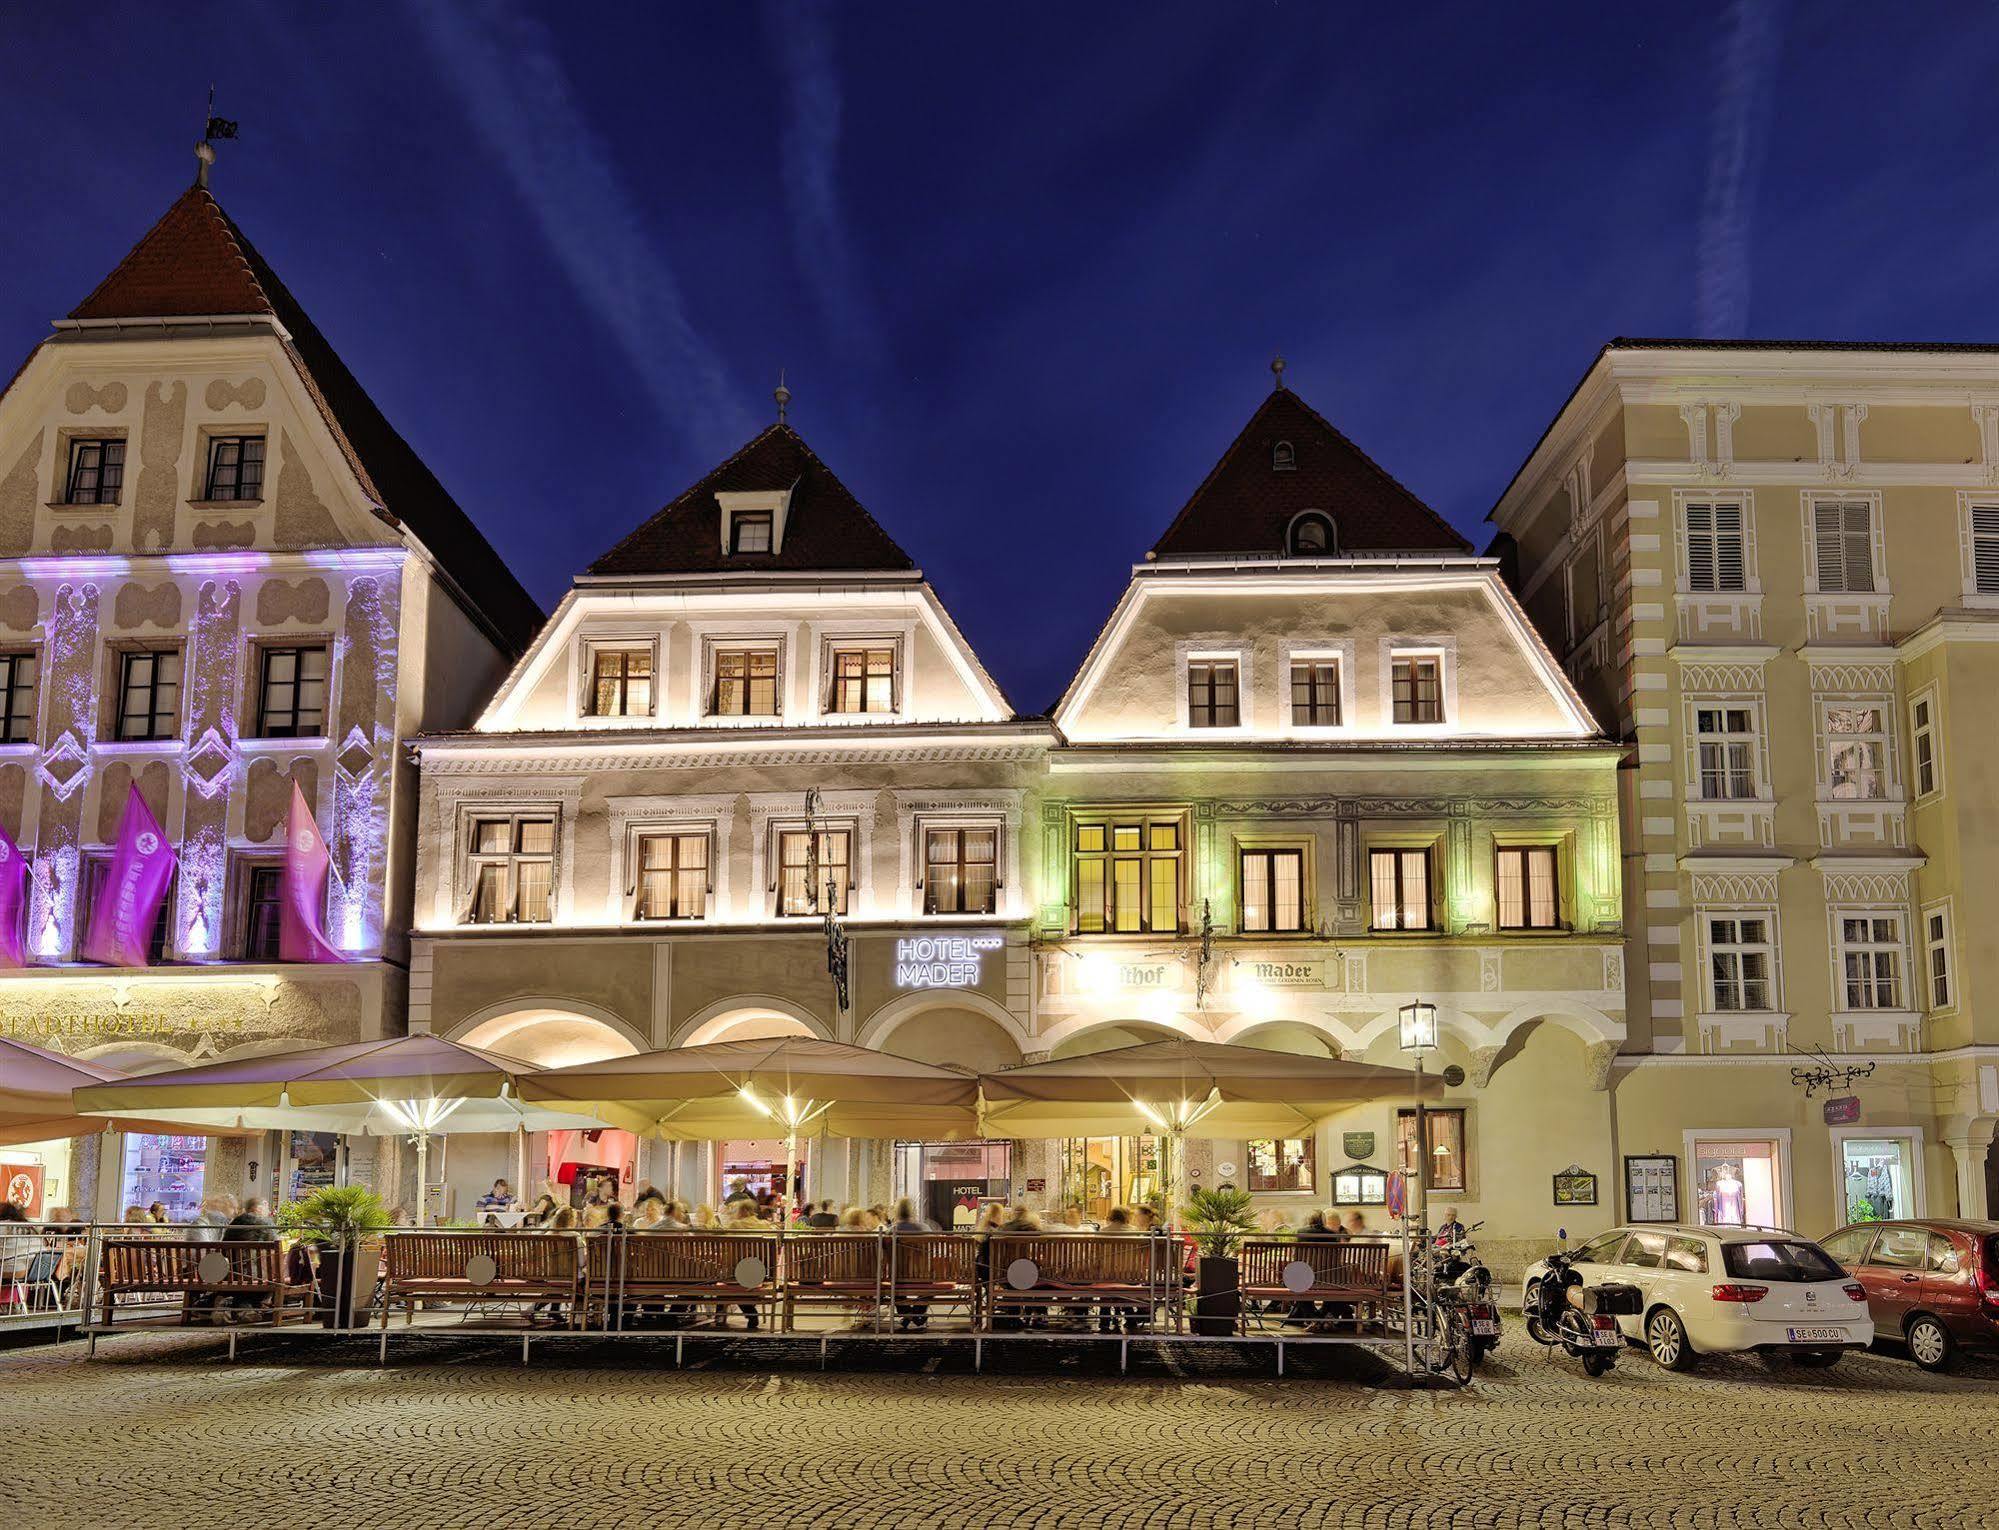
(1933, 1284)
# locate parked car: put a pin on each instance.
(1932, 1285)
(1723, 1290)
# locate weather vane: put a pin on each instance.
(213, 129)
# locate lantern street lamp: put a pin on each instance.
(1418, 1025)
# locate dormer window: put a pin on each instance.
(749, 531)
(753, 521)
(1311, 536)
(1283, 458)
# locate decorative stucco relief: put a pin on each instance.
(80, 397)
(81, 539)
(282, 600)
(210, 763)
(20, 608)
(220, 393)
(69, 721)
(301, 520)
(269, 795)
(140, 604)
(157, 495)
(17, 499)
(364, 750)
(224, 534)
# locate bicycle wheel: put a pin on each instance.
(1451, 1347)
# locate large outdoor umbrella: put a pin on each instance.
(1182, 1088)
(405, 1085)
(35, 1090)
(747, 1088)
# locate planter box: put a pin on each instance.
(1217, 1296)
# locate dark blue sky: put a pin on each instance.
(1026, 266)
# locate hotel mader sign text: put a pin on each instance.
(942, 961)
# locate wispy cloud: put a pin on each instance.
(1745, 98)
(802, 37)
(504, 68)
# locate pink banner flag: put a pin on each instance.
(13, 903)
(301, 911)
(121, 922)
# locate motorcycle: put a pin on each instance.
(1581, 1321)
(1458, 1265)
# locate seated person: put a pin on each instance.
(499, 1198)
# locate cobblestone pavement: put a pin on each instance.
(163, 1432)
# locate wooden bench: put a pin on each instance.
(834, 1269)
(1080, 1271)
(933, 1270)
(187, 1268)
(508, 1268)
(1354, 1272)
(690, 1267)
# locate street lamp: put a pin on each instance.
(1418, 1026)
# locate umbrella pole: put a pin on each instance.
(521, 1163)
(790, 1154)
(422, 1173)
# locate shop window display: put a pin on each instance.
(1738, 1183)
(167, 1169)
(950, 1181)
(1875, 1178)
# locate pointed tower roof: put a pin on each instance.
(1246, 503)
(195, 262)
(826, 528)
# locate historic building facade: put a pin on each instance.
(1774, 572)
(1318, 763)
(223, 577)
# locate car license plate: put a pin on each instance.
(1484, 1327)
(1817, 1335)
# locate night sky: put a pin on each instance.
(1025, 267)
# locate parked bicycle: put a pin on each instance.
(1458, 1267)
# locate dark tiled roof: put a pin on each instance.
(825, 529)
(1246, 506)
(196, 261)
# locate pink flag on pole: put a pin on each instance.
(13, 903)
(301, 911)
(121, 922)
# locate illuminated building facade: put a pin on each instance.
(1774, 572)
(223, 577)
(1316, 764)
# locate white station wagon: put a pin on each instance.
(1722, 1290)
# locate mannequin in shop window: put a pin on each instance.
(1728, 1197)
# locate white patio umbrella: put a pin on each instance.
(405, 1085)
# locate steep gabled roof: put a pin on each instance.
(826, 528)
(196, 262)
(1246, 506)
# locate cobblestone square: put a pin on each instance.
(164, 1432)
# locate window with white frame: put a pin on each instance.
(1740, 958)
(1273, 890)
(1315, 693)
(1213, 694)
(620, 681)
(960, 869)
(672, 875)
(1843, 545)
(511, 868)
(1937, 956)
(1399, 884)
(1870, 960)
(1417, 688)
(1984, 534)
(1528, 892)
(745, 683)
(813, 865)
(1725, 752)
(1923, 744)
(1716, 542)
(1856, 753)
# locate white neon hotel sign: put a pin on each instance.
(942, 961)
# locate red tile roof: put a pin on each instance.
(826, 528)
(196, 261)
(1246, 506)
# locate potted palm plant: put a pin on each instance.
(335, 1219)
(1219, 1220)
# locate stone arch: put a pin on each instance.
(1588, 1024)
(1080, 1036)
(749, 1015)
(550, 1033)
(980, 1036)
(1301, 1037)
(885, 1021)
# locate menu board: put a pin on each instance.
(1651, 1187)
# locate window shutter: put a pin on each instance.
(1700, 547)
(1985, 548)
(1728, 560)
(1829, 545)
(1843, 537)
(1860, 547)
